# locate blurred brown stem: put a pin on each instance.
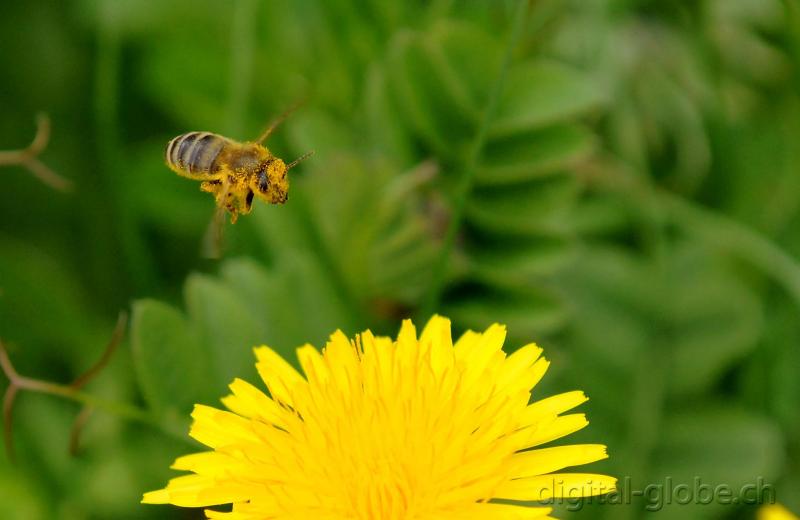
(28, 157)
(71, 391)
(111, 347)
(77, 428)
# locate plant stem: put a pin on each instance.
(73, 391)
(28, 157)
(465, 183)
(123, 410)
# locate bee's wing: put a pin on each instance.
(213, 239)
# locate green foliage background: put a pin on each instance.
(626, 191)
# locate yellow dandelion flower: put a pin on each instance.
(418, 428)
(775, 512)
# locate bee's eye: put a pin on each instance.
(263, 182)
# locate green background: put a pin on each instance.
(620, 180)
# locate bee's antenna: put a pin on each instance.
(278, 120)
(299, 160)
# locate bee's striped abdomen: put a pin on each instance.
(195, 153)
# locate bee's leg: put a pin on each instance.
(210, 186)
(226, 199)
(248, 202)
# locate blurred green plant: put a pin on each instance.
(618, 179)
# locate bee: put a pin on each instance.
(235, 173)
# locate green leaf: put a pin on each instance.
(701, 443)
(227, 326)
(528, 313)
(513, 262)
(172, 364)
(614, 275)
(440, 81)
(419, 92)
(716, 322)
(400, 262)
(384, 131)
(538, 207)
(534, 154)
(474, 56)
(778, 384)
(704, 317)
(602, 216)
(183, 360)
(21, 497)
(395, 245)
(716, 445)
(541, 93)
(285, 299)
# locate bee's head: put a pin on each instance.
(270, 183)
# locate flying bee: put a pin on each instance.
(235, 173)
